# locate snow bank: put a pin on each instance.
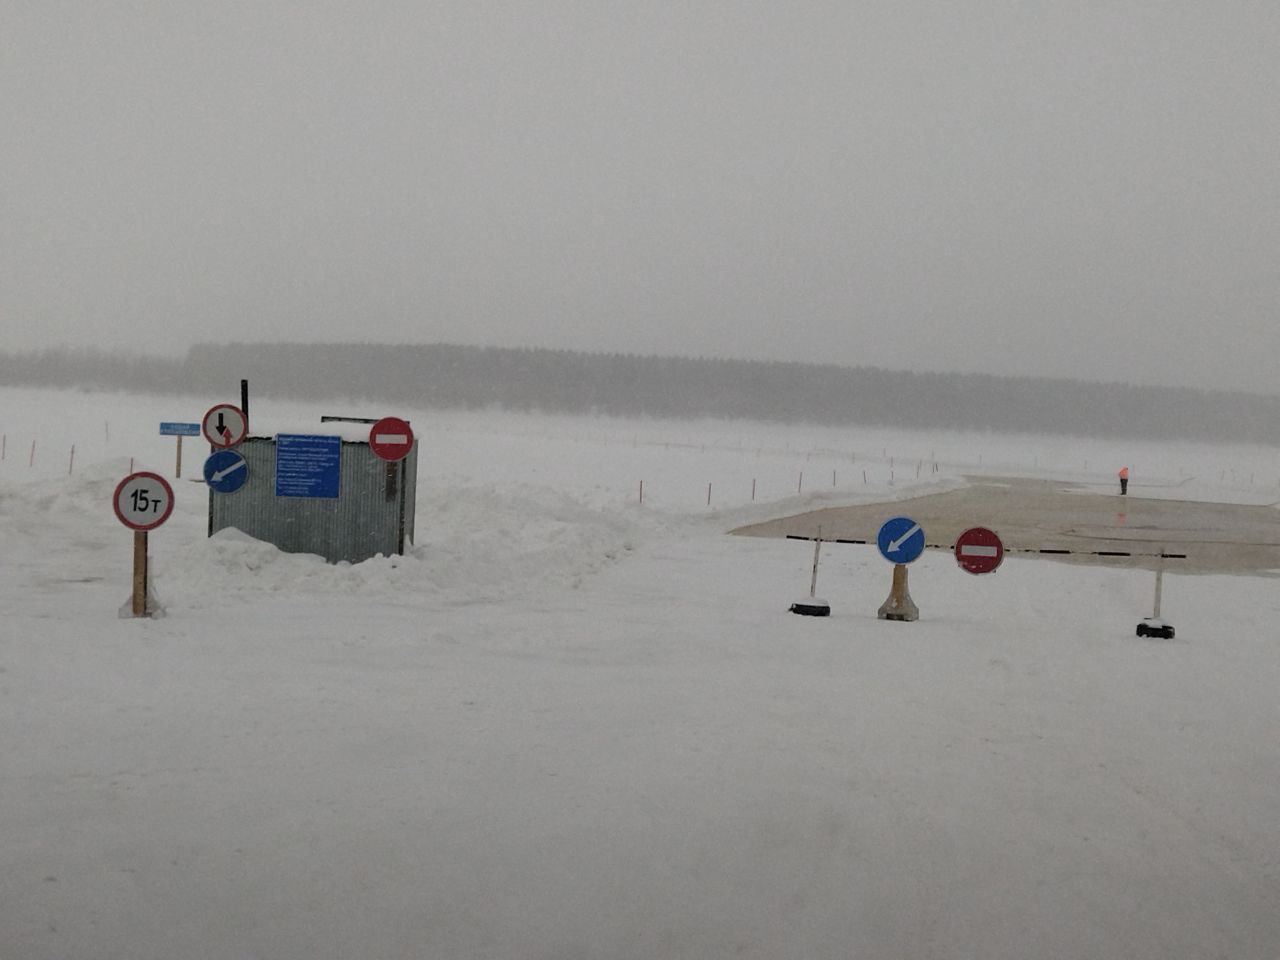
(571, 724)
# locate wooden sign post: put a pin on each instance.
(142, 502)
(179, 430)
(139, 604)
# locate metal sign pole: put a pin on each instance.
(403, 494)
(812, 606)
(1154, 626)
(177, 469)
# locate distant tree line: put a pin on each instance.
(564, 381)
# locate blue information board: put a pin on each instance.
(179, 429)
(307, 466)
(900, 540)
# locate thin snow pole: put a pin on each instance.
(817, 547)
(1159, 584)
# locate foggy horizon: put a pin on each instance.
(92, 355)
(1088, 193)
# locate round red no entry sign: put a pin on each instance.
(979, 550)
(391, 439)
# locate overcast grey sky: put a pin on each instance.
(1084, 189)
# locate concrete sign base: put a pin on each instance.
(899, 606)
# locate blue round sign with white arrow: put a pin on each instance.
(225, 471)
(900, 540)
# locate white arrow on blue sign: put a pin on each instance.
(900, 540)
(225, 471)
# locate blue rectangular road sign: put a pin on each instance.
(307, 466)
(179, 429)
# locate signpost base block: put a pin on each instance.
(899, 606)
(811, 607)
(1155, 627)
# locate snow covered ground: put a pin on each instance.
(573, 725)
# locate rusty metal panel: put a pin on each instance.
(373, 513)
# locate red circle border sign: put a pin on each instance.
(979, 550)
(142, 475)
(391, 439)
(234, 437)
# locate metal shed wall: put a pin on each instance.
(373, 512)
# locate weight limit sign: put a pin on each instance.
(143, 500)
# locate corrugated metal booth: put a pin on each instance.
(327, 494)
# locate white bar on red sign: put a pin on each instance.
(390, 438)
(977, 550)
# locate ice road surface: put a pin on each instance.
(571, 725)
